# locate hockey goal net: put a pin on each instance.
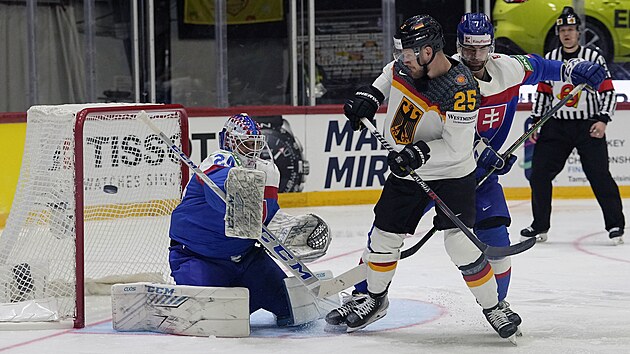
(92, 208)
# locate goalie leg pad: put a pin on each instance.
(181, 309)
(244, 194)
(305, 306)
(307, 236)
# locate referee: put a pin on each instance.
(581, 124)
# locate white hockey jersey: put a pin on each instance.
(442, 112)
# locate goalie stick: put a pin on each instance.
(267, 239)
(358, 273)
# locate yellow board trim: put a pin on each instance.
(370, 196)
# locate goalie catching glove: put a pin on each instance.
(307, 236)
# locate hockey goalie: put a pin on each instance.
(222, 274)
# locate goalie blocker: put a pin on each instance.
(205, 311)
(307, 236)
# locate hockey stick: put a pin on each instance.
(490, 251)
(358, 273)
(509, 151)
(535, 127)
(267, 239)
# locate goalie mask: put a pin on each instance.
(242, 136)
(475, 40)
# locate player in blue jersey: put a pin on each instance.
(202, 255)
(500, 77)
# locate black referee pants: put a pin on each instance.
(555, 143)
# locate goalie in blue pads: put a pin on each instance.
(209, 248)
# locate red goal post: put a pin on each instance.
(92, 208)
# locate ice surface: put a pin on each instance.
(573, 293)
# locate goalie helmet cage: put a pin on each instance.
(92, 208)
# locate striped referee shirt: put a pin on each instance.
(586, 104)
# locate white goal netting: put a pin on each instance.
(92, 207)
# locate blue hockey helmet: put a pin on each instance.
(475, 40)
(475, 29)
(242, 136)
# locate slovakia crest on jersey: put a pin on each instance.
(490, 120)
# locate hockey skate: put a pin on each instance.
(616, 235)
(338, 316)
(529, 232)
(511, 315)
(373, 308)
(501, 324)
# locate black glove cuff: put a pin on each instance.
(423, 147)
(372, 93)
(605, 118)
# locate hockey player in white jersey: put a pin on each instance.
(500, 77)
(431, 116)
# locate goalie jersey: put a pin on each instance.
(198, 221)
(441, 112)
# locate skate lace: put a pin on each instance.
(349, 302)
(497, 318)
(505, 307)
(364, 308)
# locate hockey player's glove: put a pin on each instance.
(486, 156)
(509, 162)
(365, 103)
(578, 71)
(412, 155)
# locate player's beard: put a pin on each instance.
(476, 65)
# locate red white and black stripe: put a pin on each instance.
(590, 104)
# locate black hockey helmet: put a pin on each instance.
(568, 17)
(419, 31)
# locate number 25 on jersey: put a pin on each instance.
(465, 100)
